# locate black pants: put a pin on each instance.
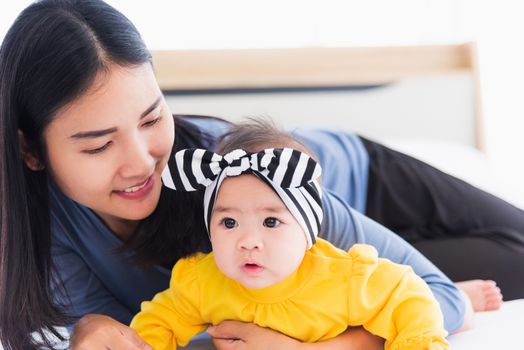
(466, 232)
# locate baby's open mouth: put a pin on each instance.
(252, 268)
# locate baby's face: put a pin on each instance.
(256, 241)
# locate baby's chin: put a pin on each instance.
(256, 285)
(259, 282)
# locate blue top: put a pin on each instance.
(346, 160)
(97, 280)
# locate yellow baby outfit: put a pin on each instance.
(331, 290)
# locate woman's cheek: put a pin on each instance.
(170, 130)
(164, 139)
(93, 175)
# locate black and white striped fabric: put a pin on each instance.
(290, 173)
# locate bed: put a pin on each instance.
(422, 100)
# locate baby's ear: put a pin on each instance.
(31, 160)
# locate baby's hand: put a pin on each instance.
(99, 332)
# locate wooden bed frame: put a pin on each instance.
(256, 69)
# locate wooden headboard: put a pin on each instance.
(212, 73)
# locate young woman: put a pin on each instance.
(85, 134)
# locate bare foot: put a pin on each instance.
(484, 294)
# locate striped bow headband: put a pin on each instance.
(290, 173)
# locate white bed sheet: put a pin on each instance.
(501, 330)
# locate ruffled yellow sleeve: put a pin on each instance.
(173, 317)
(391, 301)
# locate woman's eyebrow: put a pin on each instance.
(152, 107)
(93, 133)
(99, 133)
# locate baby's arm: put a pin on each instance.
(344, 227)
(172, 317)
(392, 302)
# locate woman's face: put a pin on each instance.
(107, 149)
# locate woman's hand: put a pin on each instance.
(236, 335)
(99, 332)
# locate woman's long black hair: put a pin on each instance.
(50, 56)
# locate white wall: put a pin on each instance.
(283, 23)
(496, 25)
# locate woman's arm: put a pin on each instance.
(344, 227)
(239, 336)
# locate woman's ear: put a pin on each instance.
(29, 156)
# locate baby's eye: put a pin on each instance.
(229, 223)
(271, 222)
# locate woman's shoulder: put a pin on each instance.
(205, 122)
(198, 131)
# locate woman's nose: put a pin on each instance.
(137, 161)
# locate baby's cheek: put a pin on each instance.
(289, 260)
(224, 262)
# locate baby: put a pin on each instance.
(263, 213)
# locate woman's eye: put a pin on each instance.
(271, 222)
(152, 122)
(99, 149)
(229, 223)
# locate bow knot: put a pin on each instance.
(197, 168)
(235, 163)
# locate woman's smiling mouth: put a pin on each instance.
(138, 191)
(135, 188)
